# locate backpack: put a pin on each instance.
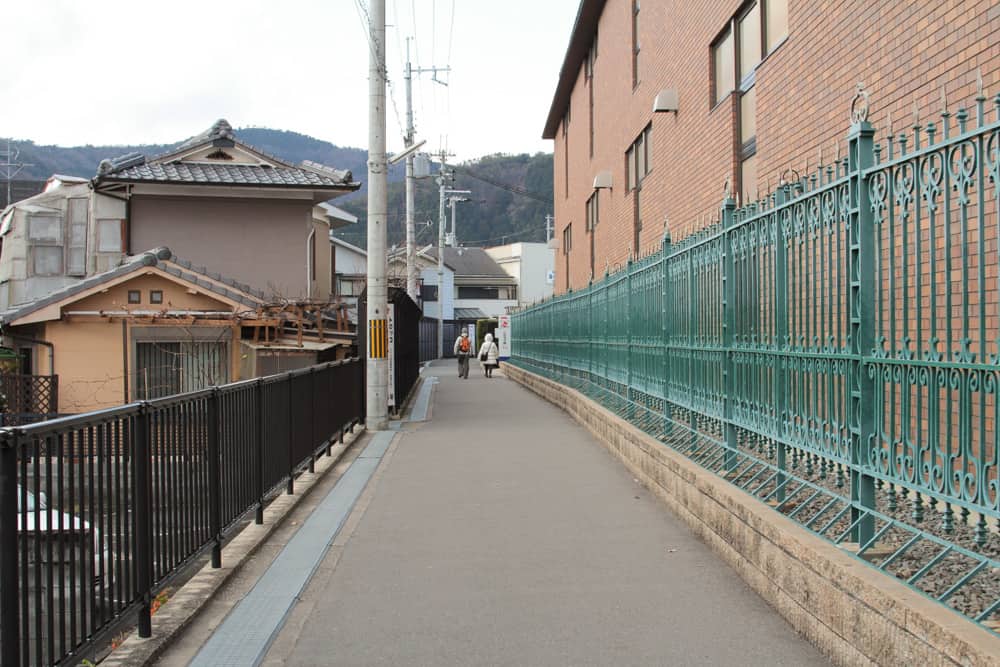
(463, 345)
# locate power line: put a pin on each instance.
(512, 235)
(515, 189)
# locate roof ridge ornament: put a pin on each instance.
(221, 128)
(860, 104)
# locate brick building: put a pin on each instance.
(747, 91)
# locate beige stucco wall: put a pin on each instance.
(175, 297)
(89, 364)
(90, 351)
(322, 287)
(258, 241)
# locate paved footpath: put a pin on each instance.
(500, 532)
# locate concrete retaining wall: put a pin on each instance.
(852, 612)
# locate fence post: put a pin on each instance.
(862, 294)
(665, 326)
(10, 643)
(692, 323)
(630, 410)
(214, 477)
(259, 428)
(779, 395)
(729, 327)
(290, 488)
(143, 543)
(312, 420)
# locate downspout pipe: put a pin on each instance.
(309, 267)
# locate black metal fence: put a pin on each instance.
(406, 342)
(98, 511)
(428, 338)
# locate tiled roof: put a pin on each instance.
(161, 258)
(226, 174)
(469, 314)
(469, 262)
(171, 168)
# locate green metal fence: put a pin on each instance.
(833, 348)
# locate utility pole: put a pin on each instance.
(377, 367)
(411, 250)
(442, 179)
(11, 167)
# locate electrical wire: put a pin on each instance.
(515, 189)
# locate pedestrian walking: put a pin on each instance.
(488, 354)
(463, 348)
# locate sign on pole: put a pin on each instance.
(391, 335)
(503, 336)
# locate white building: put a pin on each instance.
(532, 265)
(58, 237)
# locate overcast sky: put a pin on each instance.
(130, 71)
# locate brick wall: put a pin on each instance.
(902, 51)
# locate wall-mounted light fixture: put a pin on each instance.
(666, 100)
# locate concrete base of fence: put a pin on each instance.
(184, 606)
(853, 613)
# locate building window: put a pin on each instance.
(156, 296)
(637, 163)
(635, 43)
(758, 31)
(76, 249)
(134, 296)
(748, 143)
(477, 292)
(428, 293)
(565, 133)
(723, 77)
(749, 37)
(45, 239)
(109, 235)
(349, 286)
(775, 22)
(567, 245)
(593, 218)
(588, 70)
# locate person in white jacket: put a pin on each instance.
(488, 354)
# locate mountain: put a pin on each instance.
(510, 197)
(43, 161)
(511, 194)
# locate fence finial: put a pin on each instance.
(860, 104)
(727, 190)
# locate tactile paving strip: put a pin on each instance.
(245, 635)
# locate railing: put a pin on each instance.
(99, 511)
(838, 338)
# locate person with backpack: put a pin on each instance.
(488, 354)
(463, 348)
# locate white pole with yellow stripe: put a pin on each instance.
(376, 396)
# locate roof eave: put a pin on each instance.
(341, 188)
(587, 17)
